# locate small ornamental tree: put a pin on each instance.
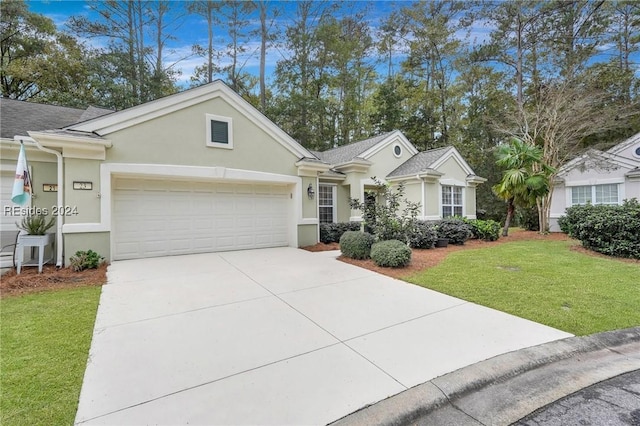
(392, 216)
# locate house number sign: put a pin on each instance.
(83, 186)
(49, 187)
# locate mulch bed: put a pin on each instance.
(51, 278)
(422, 259)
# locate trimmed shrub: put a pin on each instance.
(455, 230)
(391, 254)
(85, 260)
(356, 244)
(487, 230)
(609, 229)
(424, 235)
(331, 232)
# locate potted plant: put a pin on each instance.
(35, 227)
(36, 224)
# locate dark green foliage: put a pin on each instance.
(455, 230)
(611, 230)
(487, 230)
(85, 260)
(356, 244)
(384, 217)
(331, 232)
(424, 235)
(36, 225)
(391, 254)
(528, 219)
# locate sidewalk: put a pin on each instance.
(508, 387)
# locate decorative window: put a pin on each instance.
(596, 194)
(326, 203)
(636, 152)
(397, 151)
(219, 131)
(451, 201)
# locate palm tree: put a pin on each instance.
(525, 179)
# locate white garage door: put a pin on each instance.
(159, 218)
(8, 219)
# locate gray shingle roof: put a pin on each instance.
(419, 162)
(18, 117)
(345, 153)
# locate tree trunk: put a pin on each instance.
(511, 208)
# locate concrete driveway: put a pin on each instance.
(274, 336)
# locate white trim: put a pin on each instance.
(397, 145)
(334, 200)
(229, 121)
(432, 218)
(595, 181)
(569, 193)
(452, 182)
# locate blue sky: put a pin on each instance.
(193, 30)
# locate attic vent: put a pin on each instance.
(636, 152)
(397, 150)
(219, 131)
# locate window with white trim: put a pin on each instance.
(451, 201)
(595, 194)
(219, 131)
(326, 203)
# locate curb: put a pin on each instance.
(508, 387)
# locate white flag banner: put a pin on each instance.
(22, 185)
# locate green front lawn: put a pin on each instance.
(543, 281)
(44, 343)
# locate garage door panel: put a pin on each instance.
(157, 218)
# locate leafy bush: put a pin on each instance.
(356, 244)
(331, 232)
(455, 230)
(424, 235)
(386, 220)
(391, 254)
(609, 229)
(573, 216)
(487, 230)
(36, 225)
(85, 260)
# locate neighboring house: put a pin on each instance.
(598, 177)
(16, 119)
(204, 171)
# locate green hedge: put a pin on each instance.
(609, 229)
(391, 254)
(331, 232)
(356, 244)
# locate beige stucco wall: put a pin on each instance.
(44, 172)
(96, 241)
(432, 199)
(307, 235)
(342, 202)
(87, 202)
(309, 207)
(180, 138)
